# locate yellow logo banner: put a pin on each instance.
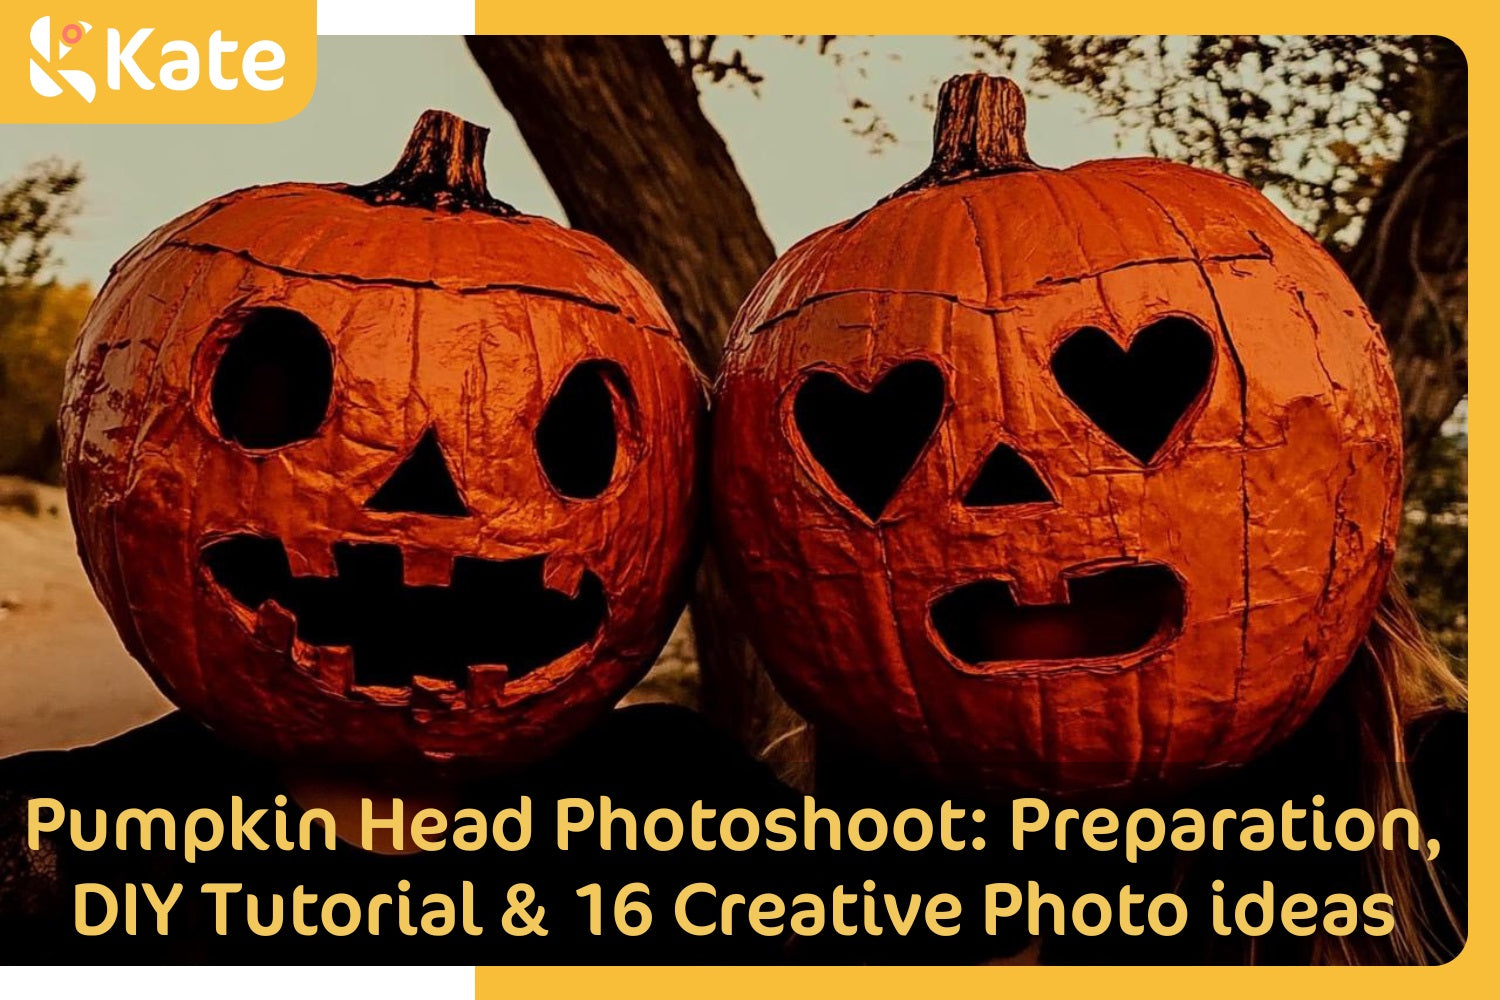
(84, 61)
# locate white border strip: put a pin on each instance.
(395, 17)
(254, 983)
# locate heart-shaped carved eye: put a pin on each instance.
(868, 440)
(1136, 396)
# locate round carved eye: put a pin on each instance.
(577, 437)
(274, 381)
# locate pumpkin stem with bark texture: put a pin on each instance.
(442, 168)
(980, 131)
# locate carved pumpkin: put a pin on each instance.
(385, 473)
(1056, 478)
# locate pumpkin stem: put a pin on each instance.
(442, 168)
(980, 131)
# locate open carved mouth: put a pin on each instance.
(495, 615)
(1113, 612)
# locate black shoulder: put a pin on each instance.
(1438, 761)
(1439, 738)
(156, 758)
(1437, 753)
(30, 883)
(667, 750)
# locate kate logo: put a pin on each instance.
(41, 42)
(156, 61)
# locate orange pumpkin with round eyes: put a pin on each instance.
(385, 473)
(1056, 478)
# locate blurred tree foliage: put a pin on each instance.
(35, 209)
(39, 317)
(1314, 122)
(38, 323)
(1434, 555)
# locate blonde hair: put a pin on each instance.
(1398, 678)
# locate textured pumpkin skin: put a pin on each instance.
(463, 322)
(1275, 502)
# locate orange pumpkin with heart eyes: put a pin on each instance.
(1056, 478)
(386, 473)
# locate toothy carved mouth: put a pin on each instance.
(498, 617)
(1110, 613)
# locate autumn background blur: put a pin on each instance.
(1363, 141)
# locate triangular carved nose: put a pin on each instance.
(422, 484)
(1006, 478)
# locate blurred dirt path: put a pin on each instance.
(65, 680)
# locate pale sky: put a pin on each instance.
(803, 166)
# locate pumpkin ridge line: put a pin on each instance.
(1310, 677)
(1047, 281)
(1266, 247)
(924, 716)
(1006, 303)
(978, 246)
(1245, 515)
(154, 346)
(428, 285)
(1312, 321)
(821, 297)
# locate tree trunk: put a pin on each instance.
(616, 127)
(618, 131)
(1411, 263)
